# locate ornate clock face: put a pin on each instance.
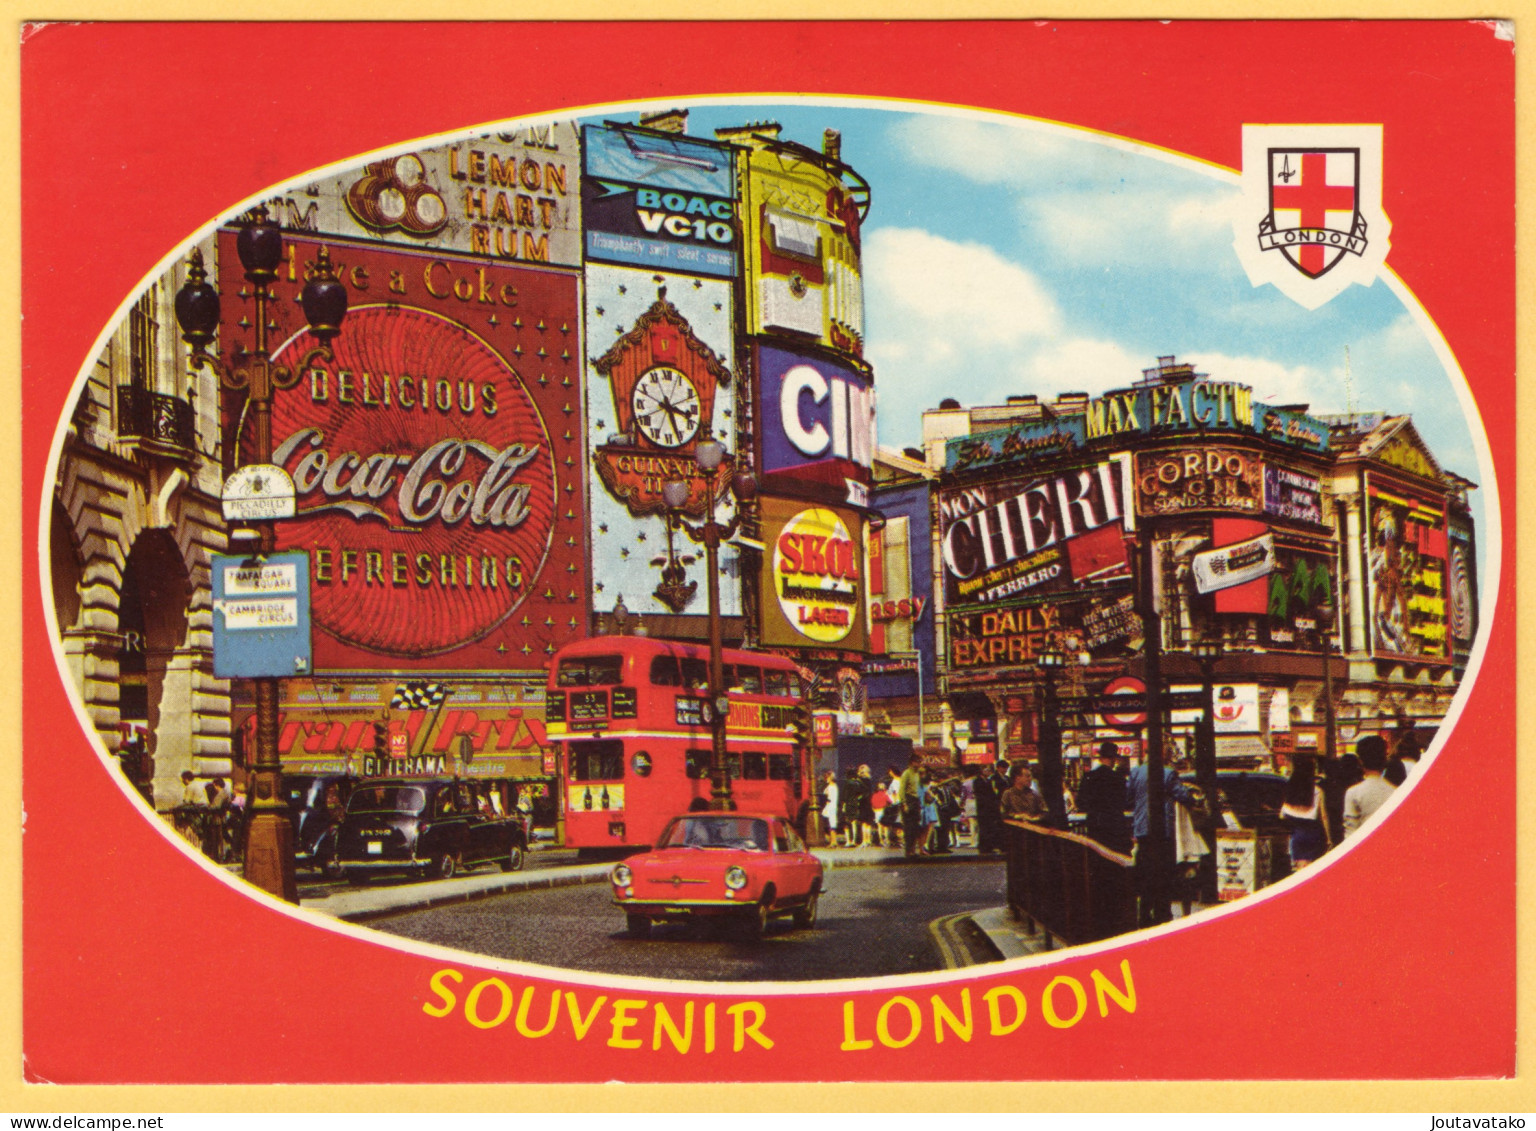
(666, 407)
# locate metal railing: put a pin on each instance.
(155, 416)
(1075, 888)
(217, 832)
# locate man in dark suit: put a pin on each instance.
(1102, 797)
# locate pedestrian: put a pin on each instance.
(879, 801)
(966, 832)
(1137, 800)
(829, 810)
(854, 798)
(930, 811)
(946, 807)
(1303, 812)
(213, 842)
(911, 784)
(892, 817)
(1102, 798)
(989, 814)
(1021, 800)
(1372, 791)
(868, 830)
(191, 792)
(1338, 775)
(1403, 760)
(1150, 886)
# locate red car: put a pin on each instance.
(744, 865)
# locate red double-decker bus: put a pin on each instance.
(632, 717)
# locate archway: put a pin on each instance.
(152, 619)
(66, 569)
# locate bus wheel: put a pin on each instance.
(806, 916)
(513, 860)
(443, 866)
(639, 926)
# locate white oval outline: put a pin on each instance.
(1492, 538)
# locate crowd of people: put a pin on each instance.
(924, 810)
(930, 810)
(211, 815)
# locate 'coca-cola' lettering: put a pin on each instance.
(429, 485)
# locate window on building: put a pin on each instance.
(143, 340)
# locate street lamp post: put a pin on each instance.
(1050, 663)
(710, 456)
(1154, 855)
(269, 830)
(1206, 653)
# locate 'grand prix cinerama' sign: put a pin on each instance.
(436, 459)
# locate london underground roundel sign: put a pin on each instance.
(1134, 690)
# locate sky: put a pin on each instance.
(1006, 256)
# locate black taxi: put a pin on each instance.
(431, 826)
(316, 804)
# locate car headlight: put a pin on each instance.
(735, 877)
(622, 876)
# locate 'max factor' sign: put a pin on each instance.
(1199, 406)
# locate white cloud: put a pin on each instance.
(1275, 382)
(948, 293)
(987, 152)
(1125, 227)
(1078, 365)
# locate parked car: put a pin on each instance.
(428, 826)
(316, 803)
(749, 867)
(1253, 796)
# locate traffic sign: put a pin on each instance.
(261, 616)
(258, 492)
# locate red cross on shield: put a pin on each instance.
(1314, 208)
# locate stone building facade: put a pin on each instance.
(135, 520)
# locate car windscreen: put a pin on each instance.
(716, 832)
(387, 799)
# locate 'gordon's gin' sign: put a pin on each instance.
(435, 460)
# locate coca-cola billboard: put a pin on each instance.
(436, 458)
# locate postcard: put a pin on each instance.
(768, 552)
